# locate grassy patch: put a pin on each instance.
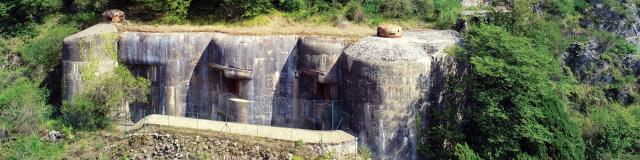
(31, 147)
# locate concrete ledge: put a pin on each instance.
(337, 140)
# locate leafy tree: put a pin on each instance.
(167, 11)
(229, 9)
(292, 5)
(513, 109)
(447, 13)
(399, 8)
(79, 6)
(19, 17)
(44, 51)
(466, 153)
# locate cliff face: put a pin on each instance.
(373, 88)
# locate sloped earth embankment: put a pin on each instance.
(157, 142)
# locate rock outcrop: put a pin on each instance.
(632, 63)
(624, 22)
(591, 65)
(587, 64)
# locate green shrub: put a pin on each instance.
(229, 9)
(83, 19)
(292, 5)
(45, 50)
(299, 144)
(355, 12)
(615, 133)
(85, 6)
(523, 21)
(23, 108)
(296, 157)
(31, 147)
(585, 97)
(404, 9)
(83, 113)
(326, 156)
(463, 152)
(372, 7)
(622, 47)
(399, 8)
(365, 152)
(164, 11)
(581, 5)
(559, 7)
(93, 108)
(177, 11)
(447, 13)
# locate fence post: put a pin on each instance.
(332, 116)
(197, 120)
(356, 151)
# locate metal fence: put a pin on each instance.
(282, 112)
(334, 141)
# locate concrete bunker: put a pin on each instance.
(367, 88)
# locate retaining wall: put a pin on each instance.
(336, 141)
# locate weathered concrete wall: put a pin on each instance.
(384, 79)
(372, 88)
(320, 98)
(86, 54)
(185, 83)
(168, 61)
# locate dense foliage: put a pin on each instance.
(612, 133)
(20, 16)
(519, 100)
(514, 111)
(95, 107)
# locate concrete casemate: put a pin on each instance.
(369, 88)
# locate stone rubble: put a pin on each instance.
(157, 144)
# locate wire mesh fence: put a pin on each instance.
(314, 121)
(282, 112)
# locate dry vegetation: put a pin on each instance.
(274, 24)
